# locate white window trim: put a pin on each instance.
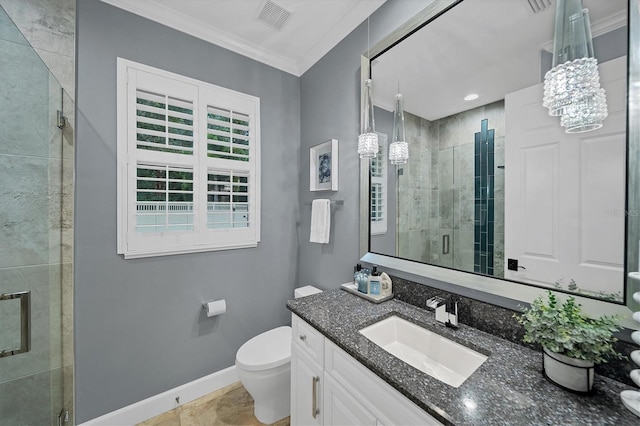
(201, 239)
(380, 227)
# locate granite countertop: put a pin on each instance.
(508, 388)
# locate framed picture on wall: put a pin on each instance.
(323, 166)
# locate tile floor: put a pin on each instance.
(228, 406)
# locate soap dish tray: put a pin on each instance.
(353, 288)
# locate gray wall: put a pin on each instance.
(330, 108)
(139, 323)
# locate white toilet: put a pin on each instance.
(263, 364)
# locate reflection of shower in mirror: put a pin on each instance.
(548, 208)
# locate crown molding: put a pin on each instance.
(180, 22)
(174, 19)
(338, 32)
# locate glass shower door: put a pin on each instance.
(36, 180)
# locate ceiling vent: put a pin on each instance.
(537, 6)
(273, 14)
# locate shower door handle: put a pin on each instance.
(25, 322)
(445, 244)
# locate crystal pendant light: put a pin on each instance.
(368, 139)
(572, 87)
(399, 148)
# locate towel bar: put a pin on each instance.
(333, 202)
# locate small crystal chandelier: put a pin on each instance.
(399, 148)
(572, 87)
(368, 139)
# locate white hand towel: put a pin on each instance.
(320, 221)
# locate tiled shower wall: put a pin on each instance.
(37, 45)
(436, 189)
(49, 27)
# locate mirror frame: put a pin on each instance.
(508, 294)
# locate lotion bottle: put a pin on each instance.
(374, 282)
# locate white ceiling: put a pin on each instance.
(488, 47)
(313, 28)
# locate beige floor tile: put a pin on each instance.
(170, 418)
(213, 395)
(229, 406)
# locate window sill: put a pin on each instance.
(171, 252)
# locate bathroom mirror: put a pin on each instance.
(545, 209)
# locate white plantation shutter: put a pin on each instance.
(164, 199)
(164, 123)
(227, 134)
(377, 202)
(228, 200)
(188, 176)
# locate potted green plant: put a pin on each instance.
(572, 342)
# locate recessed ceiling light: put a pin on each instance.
(471, 97)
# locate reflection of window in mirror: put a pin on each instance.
(379, 188)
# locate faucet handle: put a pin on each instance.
(435, 302)
(442, 316)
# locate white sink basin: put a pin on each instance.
(439, 357)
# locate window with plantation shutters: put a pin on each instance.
(188, 163)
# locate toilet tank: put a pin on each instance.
(307, 290)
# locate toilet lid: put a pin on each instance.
(267, 350)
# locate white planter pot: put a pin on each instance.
(572, 374)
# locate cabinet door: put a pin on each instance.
(376, 396)
(340, 408)
(306, 389)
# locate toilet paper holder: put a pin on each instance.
(214, 307)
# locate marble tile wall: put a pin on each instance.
(36, 205)
(49, 26)
(436, 190)
(28, 402)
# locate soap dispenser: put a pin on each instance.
(374, 282)
(361, 278)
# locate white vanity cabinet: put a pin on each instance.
(326, 378)
(342, 408)
(307, 354)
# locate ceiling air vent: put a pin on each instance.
(273, 14)
(537, 6)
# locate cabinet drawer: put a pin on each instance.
(310, 340)
(388, 405)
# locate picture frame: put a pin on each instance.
(323, 166)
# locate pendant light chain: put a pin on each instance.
(399, 148)
(368, 139)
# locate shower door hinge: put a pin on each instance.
(63, 417)
(61, 120)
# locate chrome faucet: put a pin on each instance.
(446, 310)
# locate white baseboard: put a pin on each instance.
(165, 401)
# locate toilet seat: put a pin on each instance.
(270, 349)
